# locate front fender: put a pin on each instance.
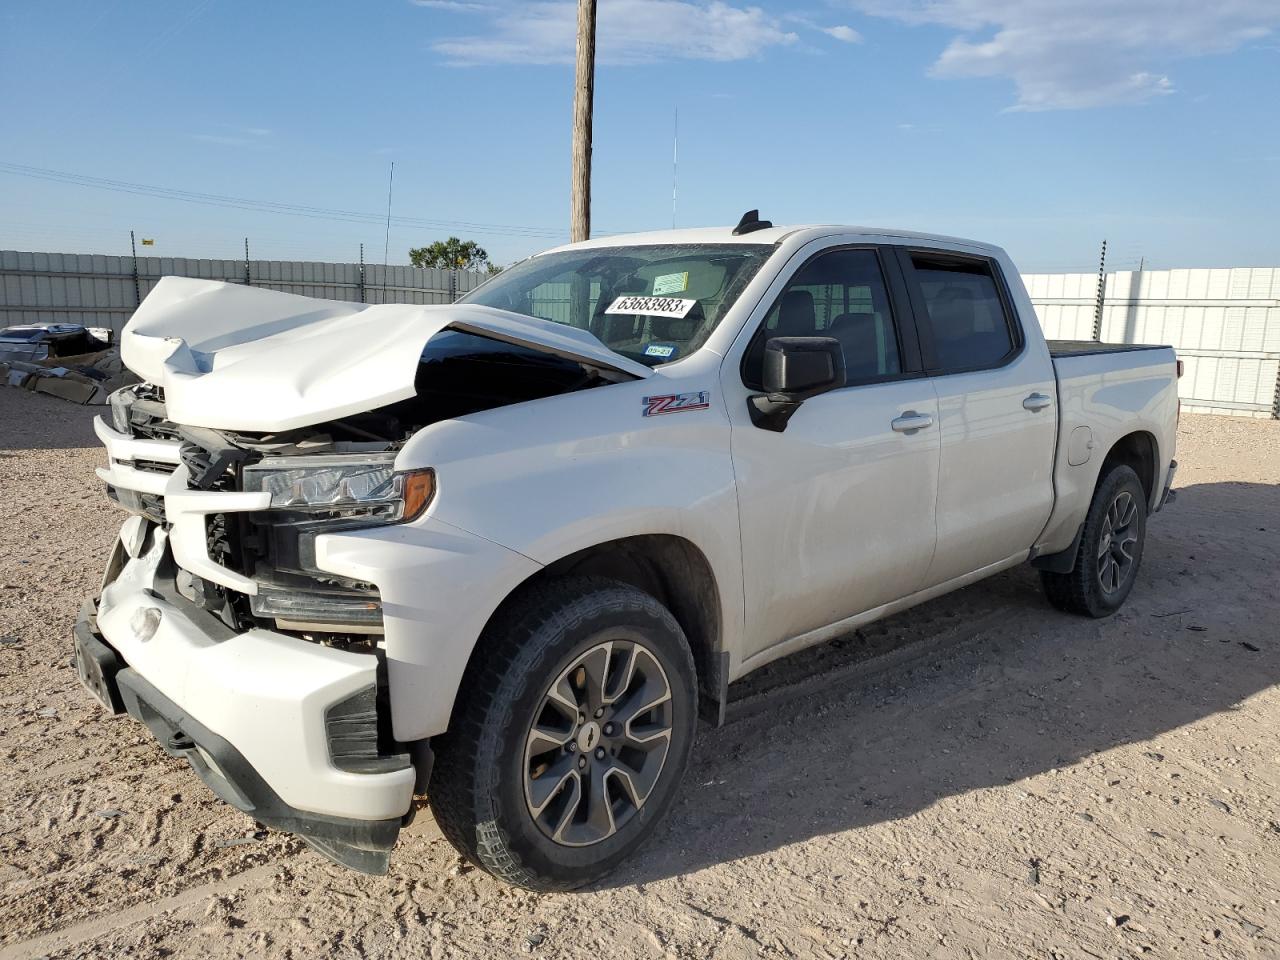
(549, 478)
(439, 586)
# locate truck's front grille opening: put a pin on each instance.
(293, 596)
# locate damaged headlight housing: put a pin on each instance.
(363, 487)
(315, 494)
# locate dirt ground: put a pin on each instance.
(980, 777)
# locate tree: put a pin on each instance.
(451, 254)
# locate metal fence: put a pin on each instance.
(1225, 325)
(103, 291)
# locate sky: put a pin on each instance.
(1045, 126)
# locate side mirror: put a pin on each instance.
(795, 369)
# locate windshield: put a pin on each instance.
(24, 334)
(653, 304)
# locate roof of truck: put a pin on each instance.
(769, 235)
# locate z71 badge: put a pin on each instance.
(677, 403)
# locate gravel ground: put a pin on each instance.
(980, 777)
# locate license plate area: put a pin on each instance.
(97, 666)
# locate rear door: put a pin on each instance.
(996, 416)
(836, 511)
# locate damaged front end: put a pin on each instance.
(264, 598)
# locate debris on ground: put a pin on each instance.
(64, 360)
(87, 378)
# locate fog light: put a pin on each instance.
(339, 612)
(145, 622)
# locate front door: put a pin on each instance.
(837, 510)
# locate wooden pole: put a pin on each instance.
(583, 94)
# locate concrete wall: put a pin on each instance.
(1225, 325)
(101, 291)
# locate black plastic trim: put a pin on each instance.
(95, 662)
(362, 845)
(1086, 348)
(1063, 561)
(920, 309)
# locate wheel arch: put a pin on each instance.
(1140, 451)
(676, 573)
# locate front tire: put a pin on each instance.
(571, 734)
(1115, 532)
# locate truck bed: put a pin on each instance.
(1079, 348)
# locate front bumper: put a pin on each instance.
(253, 712)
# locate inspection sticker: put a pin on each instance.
(671, 283)
(652, 306)
(660, 350)
(677, 403)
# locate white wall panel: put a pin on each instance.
(1224, 323)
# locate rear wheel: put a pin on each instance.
(573, 729)
(1115, 531)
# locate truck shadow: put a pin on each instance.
(1034, 690)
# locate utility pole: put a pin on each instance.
(583, 94)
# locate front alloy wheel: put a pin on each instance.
(570, 733)
(598, 743)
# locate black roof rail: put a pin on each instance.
(750, 223)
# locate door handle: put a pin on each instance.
(1037, 401)
(911, 421)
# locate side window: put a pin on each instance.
(966, 318)
(840, 294)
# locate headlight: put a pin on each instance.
(120, 402)
(347, 486)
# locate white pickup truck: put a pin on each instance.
(504, 552)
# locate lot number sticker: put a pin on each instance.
(652, 306)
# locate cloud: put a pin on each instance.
(1074, 54)
(628, 32)
(844, 33)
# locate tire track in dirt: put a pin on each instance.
(108, 922)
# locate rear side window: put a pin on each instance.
(839, 294)
(966, 320)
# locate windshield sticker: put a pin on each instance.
(677, 403)
(670, 283)
(660, 350)
(652, 306)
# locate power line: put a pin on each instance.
(269, 206)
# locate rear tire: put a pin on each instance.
(555, 769)
(1110, 551)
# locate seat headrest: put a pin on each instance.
(796, 317)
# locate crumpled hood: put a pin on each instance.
(240, 358)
